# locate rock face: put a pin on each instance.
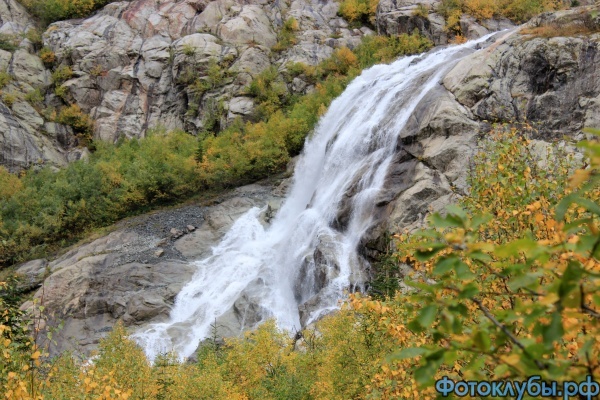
(26, 139)
(138, 65)
(134, 273)
(135, 63)
(550, 83)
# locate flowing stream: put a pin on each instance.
(307, 254)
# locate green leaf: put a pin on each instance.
(429, 251)
(469, 291)
(524, 280)
(554, 331)
(516, 247)
(463, 272)
(427, 315)
(480, 256)
(410, 352)
(563, 206)
(448, 221)
(445, 265)
(570, 279)
(457, 211)
(479, 220)
(425, 374)
(482, 340)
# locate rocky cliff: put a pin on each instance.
(525, 75)
(142, 64)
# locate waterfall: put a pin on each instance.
(308, 255)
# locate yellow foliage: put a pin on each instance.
(9, 184)
(359, 10)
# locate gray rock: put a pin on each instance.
(124, 277)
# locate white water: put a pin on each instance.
(355, 141)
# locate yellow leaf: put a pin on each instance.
(512, 359)
(580, 176)
(551, 298)
(35, 355)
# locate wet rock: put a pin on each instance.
(123, 276)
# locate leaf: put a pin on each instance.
(463, 272)
(570, 279)
(425, 374)
(554, 331)
(457, 211)
(516, 247)
(522, 281)
(479, 220)
(563, 206)
(448, 221)
(469, 291)
(429, 252)
(445, 265)
(512, 359)
(482, 340)
(410, 352)
(427, 315)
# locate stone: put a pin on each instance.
(176, 233)
(191, 228)
(123, 276)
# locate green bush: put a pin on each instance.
(9, 42)
(48, 11)
(61, 74)
(50, 207)
(286, 37)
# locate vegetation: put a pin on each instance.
(504, 287)
(48, 11)
(48, 57)
(80, 122)
(516, 10)
(9, 42)
(43, 209)
(286, 37)
(359, 10)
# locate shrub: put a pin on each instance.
(49, 11)
(286, 37)
(48, 207)
(375, 49)
(5, 79)
(421, 10)
(61, 74)
(35, 97)
(516, 10)
(9, 42)
(9, 184)
(341, 61)
(359, 10)
(270, 91)
(75, 118)
(48, 57)
(9, 99)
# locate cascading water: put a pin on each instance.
(308, 254)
